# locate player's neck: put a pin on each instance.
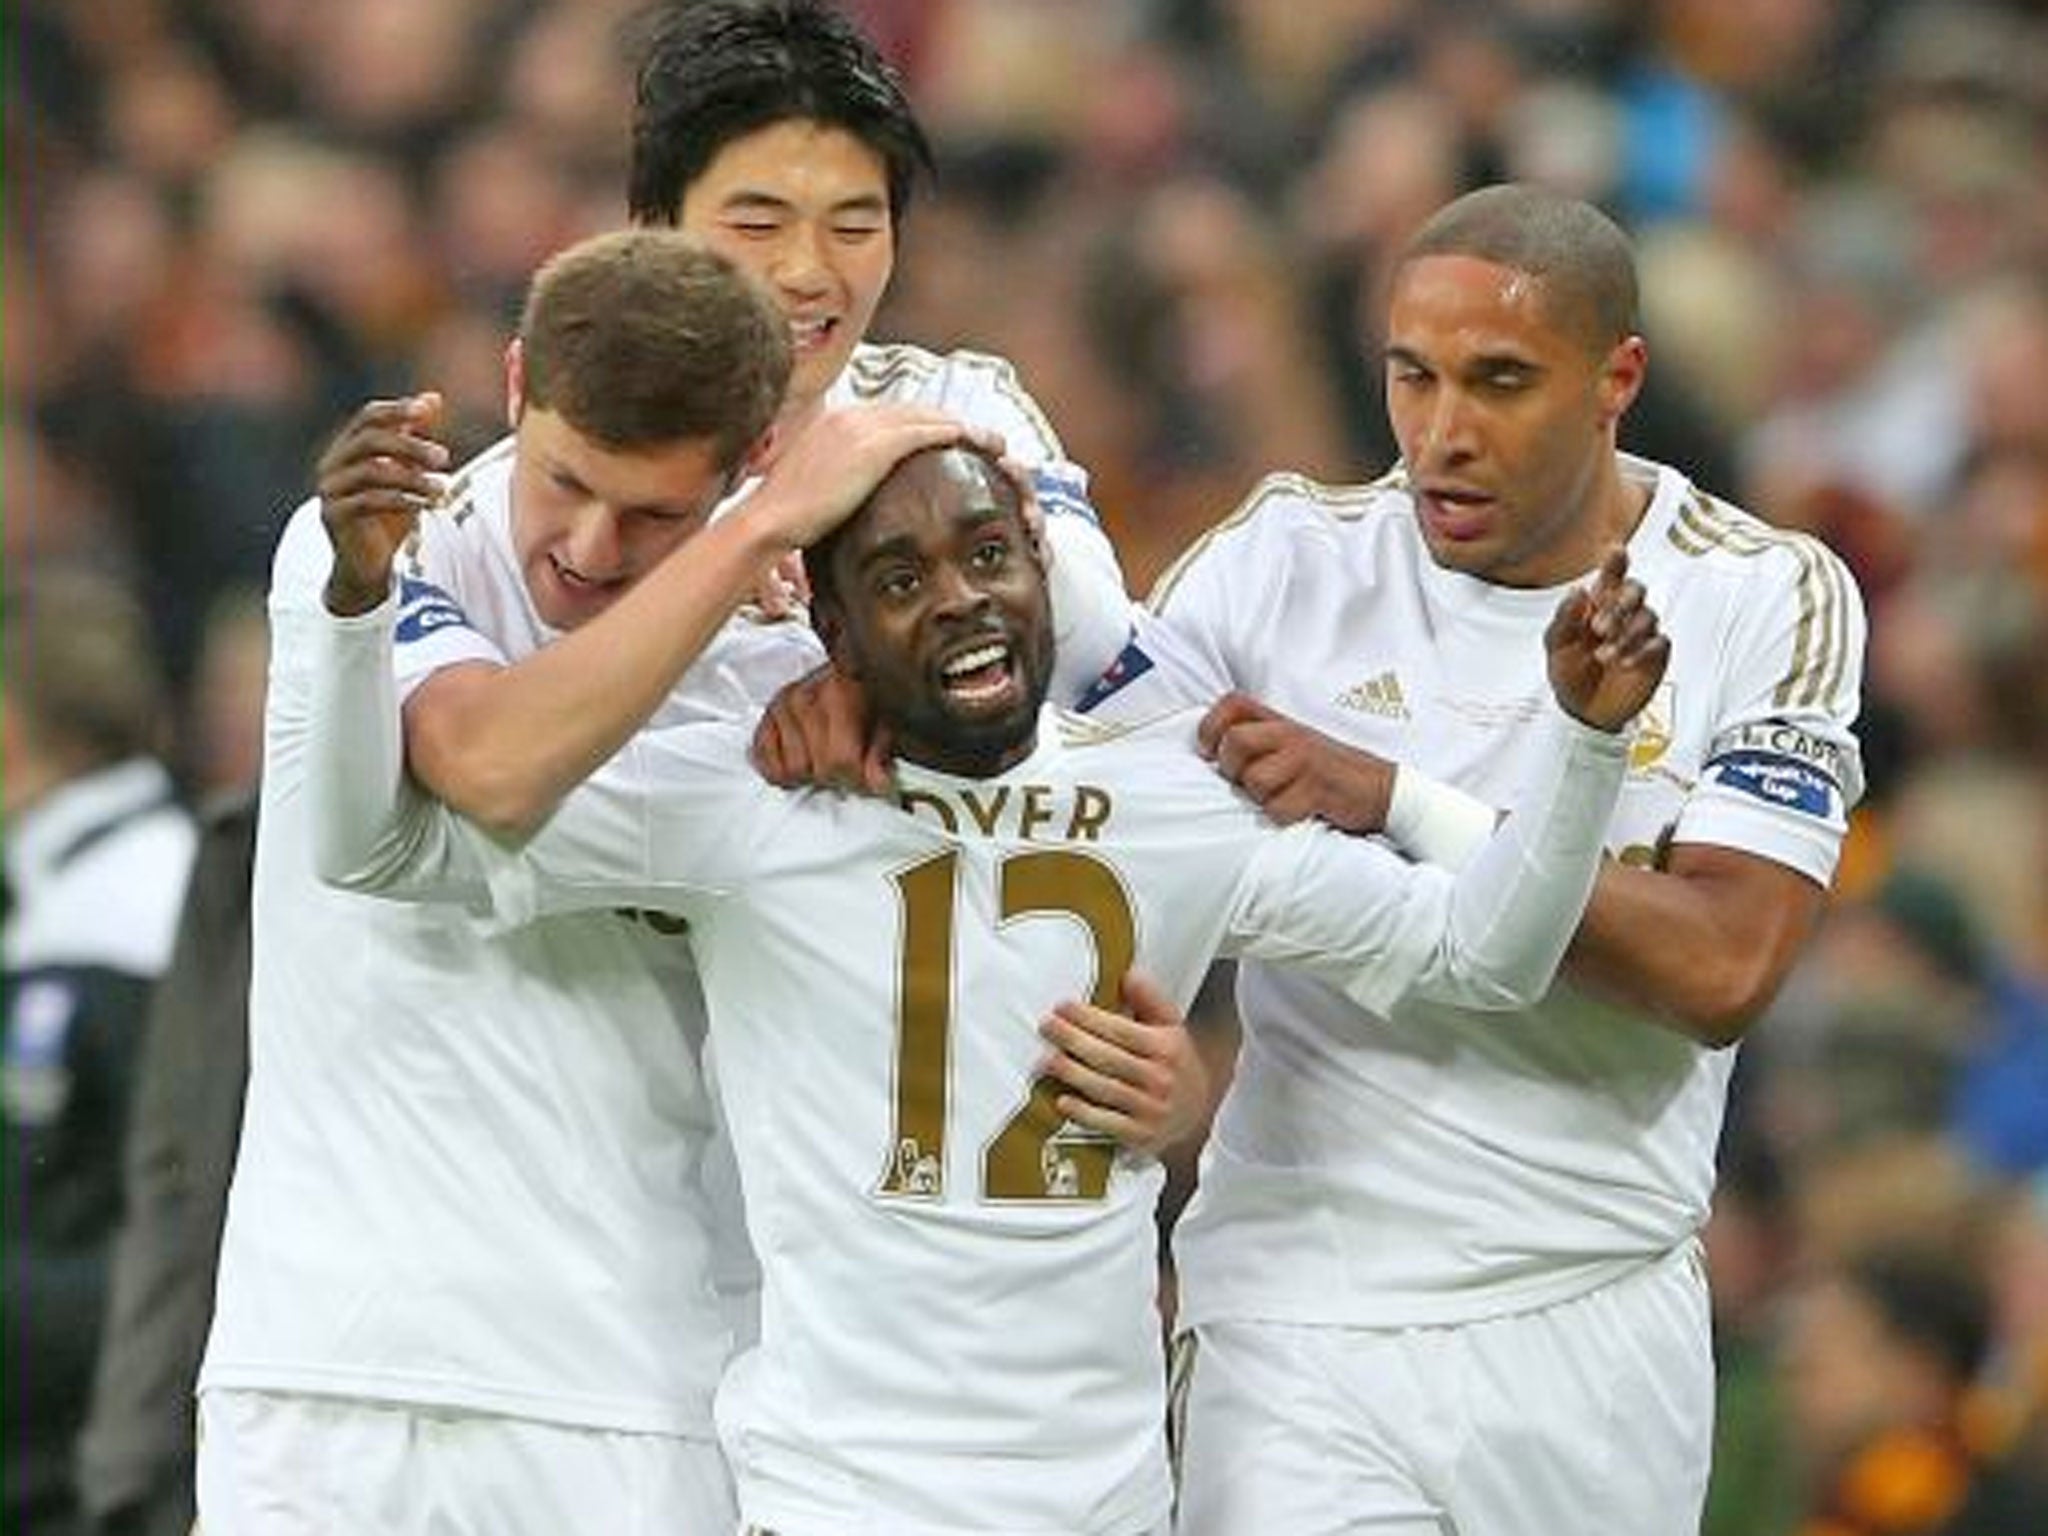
(1613, 510)
(965, 760)
(1620, 503)
(795, 415)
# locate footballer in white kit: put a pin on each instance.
(958, 1327)
(1425, 1165)
(494, 1289)
(469, 1176)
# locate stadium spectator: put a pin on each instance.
(135, 1452)
(1884, 1355)
(98, 849)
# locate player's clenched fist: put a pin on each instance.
(375, 478)
(1294, 771)
(1605, 649)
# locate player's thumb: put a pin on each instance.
(1147, 1001)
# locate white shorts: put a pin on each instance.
(1593, 1417)
(762, 1530)
(285, 1464)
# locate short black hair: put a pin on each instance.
(1581, 256)
(818, 571)
(711, 71)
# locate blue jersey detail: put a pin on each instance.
(1130, 665)
(424, 608)
(1776, 779)
(1062, 495)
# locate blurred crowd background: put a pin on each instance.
(230, 221)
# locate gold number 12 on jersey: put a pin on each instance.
(1037, 1155)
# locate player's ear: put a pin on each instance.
(830, 624)
(515, 381)
(755, 460)
(1621, 376)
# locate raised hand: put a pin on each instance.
(1292, 770)
(827, 467)
(1605, 649)
(375, 478)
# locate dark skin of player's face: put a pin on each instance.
(1505, 411)
(940, 610)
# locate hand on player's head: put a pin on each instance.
(829, 466)
(1607, 653)
(1018, 473)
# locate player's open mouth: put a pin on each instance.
(980, 676)
(1456, 514)
(810, 335)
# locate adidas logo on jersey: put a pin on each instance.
(1377, 696)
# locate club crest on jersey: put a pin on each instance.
(424, 608)
(1654, 729)
(1130, 665)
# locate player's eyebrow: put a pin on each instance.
(1473, 367)
(757, 198)
(971, 518)
(900, 546)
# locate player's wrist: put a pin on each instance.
(1433, 821)
(1594, 737)
(350, 595)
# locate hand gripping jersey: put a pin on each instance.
(1429, 1165)
(958, 1327)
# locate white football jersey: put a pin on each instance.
(958, 1327)
(469, 1166)
(1433, 1166)
(535, 1095)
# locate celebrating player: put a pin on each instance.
(467, 1269)
(957, 1329)
(1442, 1270)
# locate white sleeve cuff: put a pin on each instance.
(1435, 823)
